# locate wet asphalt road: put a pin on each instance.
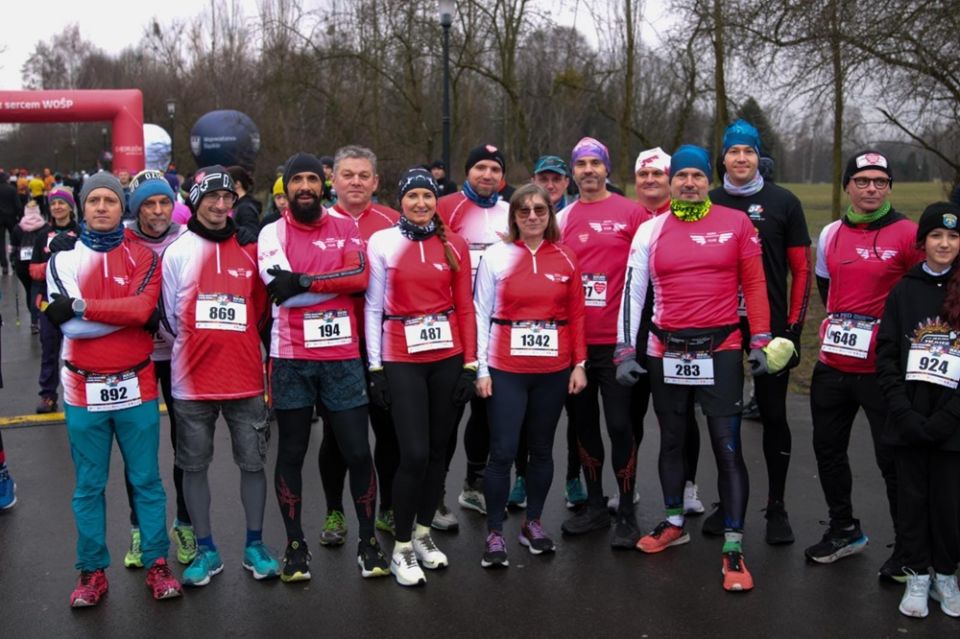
(584, 589)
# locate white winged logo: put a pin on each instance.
(240, 272)
(711, 238)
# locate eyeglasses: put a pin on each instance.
(227, 198)
(538, 209)
(879, 183)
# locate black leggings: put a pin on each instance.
(929, 509)
(350, 427)
(771, 394)
(162, 370)
(386, 458)
(691, 446)
(583, 411)
(733, 484)
(573, 459)
(532, 403)
(424, 417)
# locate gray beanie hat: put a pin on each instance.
(101, 180)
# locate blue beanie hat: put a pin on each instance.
(741, 132)
(690, 156)
(146, 184)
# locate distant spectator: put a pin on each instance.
(439, 171)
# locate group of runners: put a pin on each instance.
(517, 310)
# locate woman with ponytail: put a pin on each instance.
(918, 368)
(421, 338)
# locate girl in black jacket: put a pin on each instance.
(918, 367)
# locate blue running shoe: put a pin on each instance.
(8, 489)
(258, 559)
(575, 493)
(205, 565)
(518, 496)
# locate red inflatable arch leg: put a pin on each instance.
(122, 107)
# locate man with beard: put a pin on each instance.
(311, 262)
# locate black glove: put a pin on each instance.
(465, 389)
(246, 235)
(793, 334)
(153, 322)
(940, 427)
(912, 428)
(62, 242)
(60, 309)
(379, 390)
(284, 285)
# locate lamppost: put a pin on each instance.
(172, 114)
(103, 149)
(447, 8)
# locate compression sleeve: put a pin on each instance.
(373, 303)
(754, 285)
(799, 259)
(484, 299)
(351, 278)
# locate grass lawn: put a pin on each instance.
(910, 198)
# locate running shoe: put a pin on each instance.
(613, 503)
(371, 560)
(736, 577)
(91, 587)
(915, 595)
(205, 565)
(535, 539)
(590, 517)
(161, 581)
(713, 525)
(186, 542)
(296, 562)
(625, 532)
(944, 589)
(837, 544)
(405, 567)
(34, 329)
(575, 493)
(444, 519)
(495, 551)
(334, 531)
(8, 489)
(892, 570)
(46, 405)
(662, 537)
(427, 552)
(471, 497)
(779, 531)
(691, 500)
(518, 495)
(751, 411)
(258, 559)
(134, 557)
(385, 521)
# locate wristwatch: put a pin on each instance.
(79, 307)
(305, 281)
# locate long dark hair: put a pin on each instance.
(447, 249)
(951, 303)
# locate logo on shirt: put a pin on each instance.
(884, 254)
(121, 280)
(557, 277)
(712, 237)
(329, 242)
(755, 212)
(607, 226)
(240, 272)
(441, 266)
(583, 237)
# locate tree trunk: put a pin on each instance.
(719, 78)
(837, 61)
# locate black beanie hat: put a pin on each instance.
(301, 163)
(417, 178)
(864, 160)
(939, 215)
(207, 180)
(485, 152)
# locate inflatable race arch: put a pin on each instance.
(123, 108)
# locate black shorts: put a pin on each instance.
(724, 397)
(298, 383)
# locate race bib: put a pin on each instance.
(741, 304)
(113, 392)
(221, 312)
(328, 328)
(594, 289)
(427, 333)
(934, 363)
(533, 339)
(26, 253)
(688, 369)
(848, 337)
